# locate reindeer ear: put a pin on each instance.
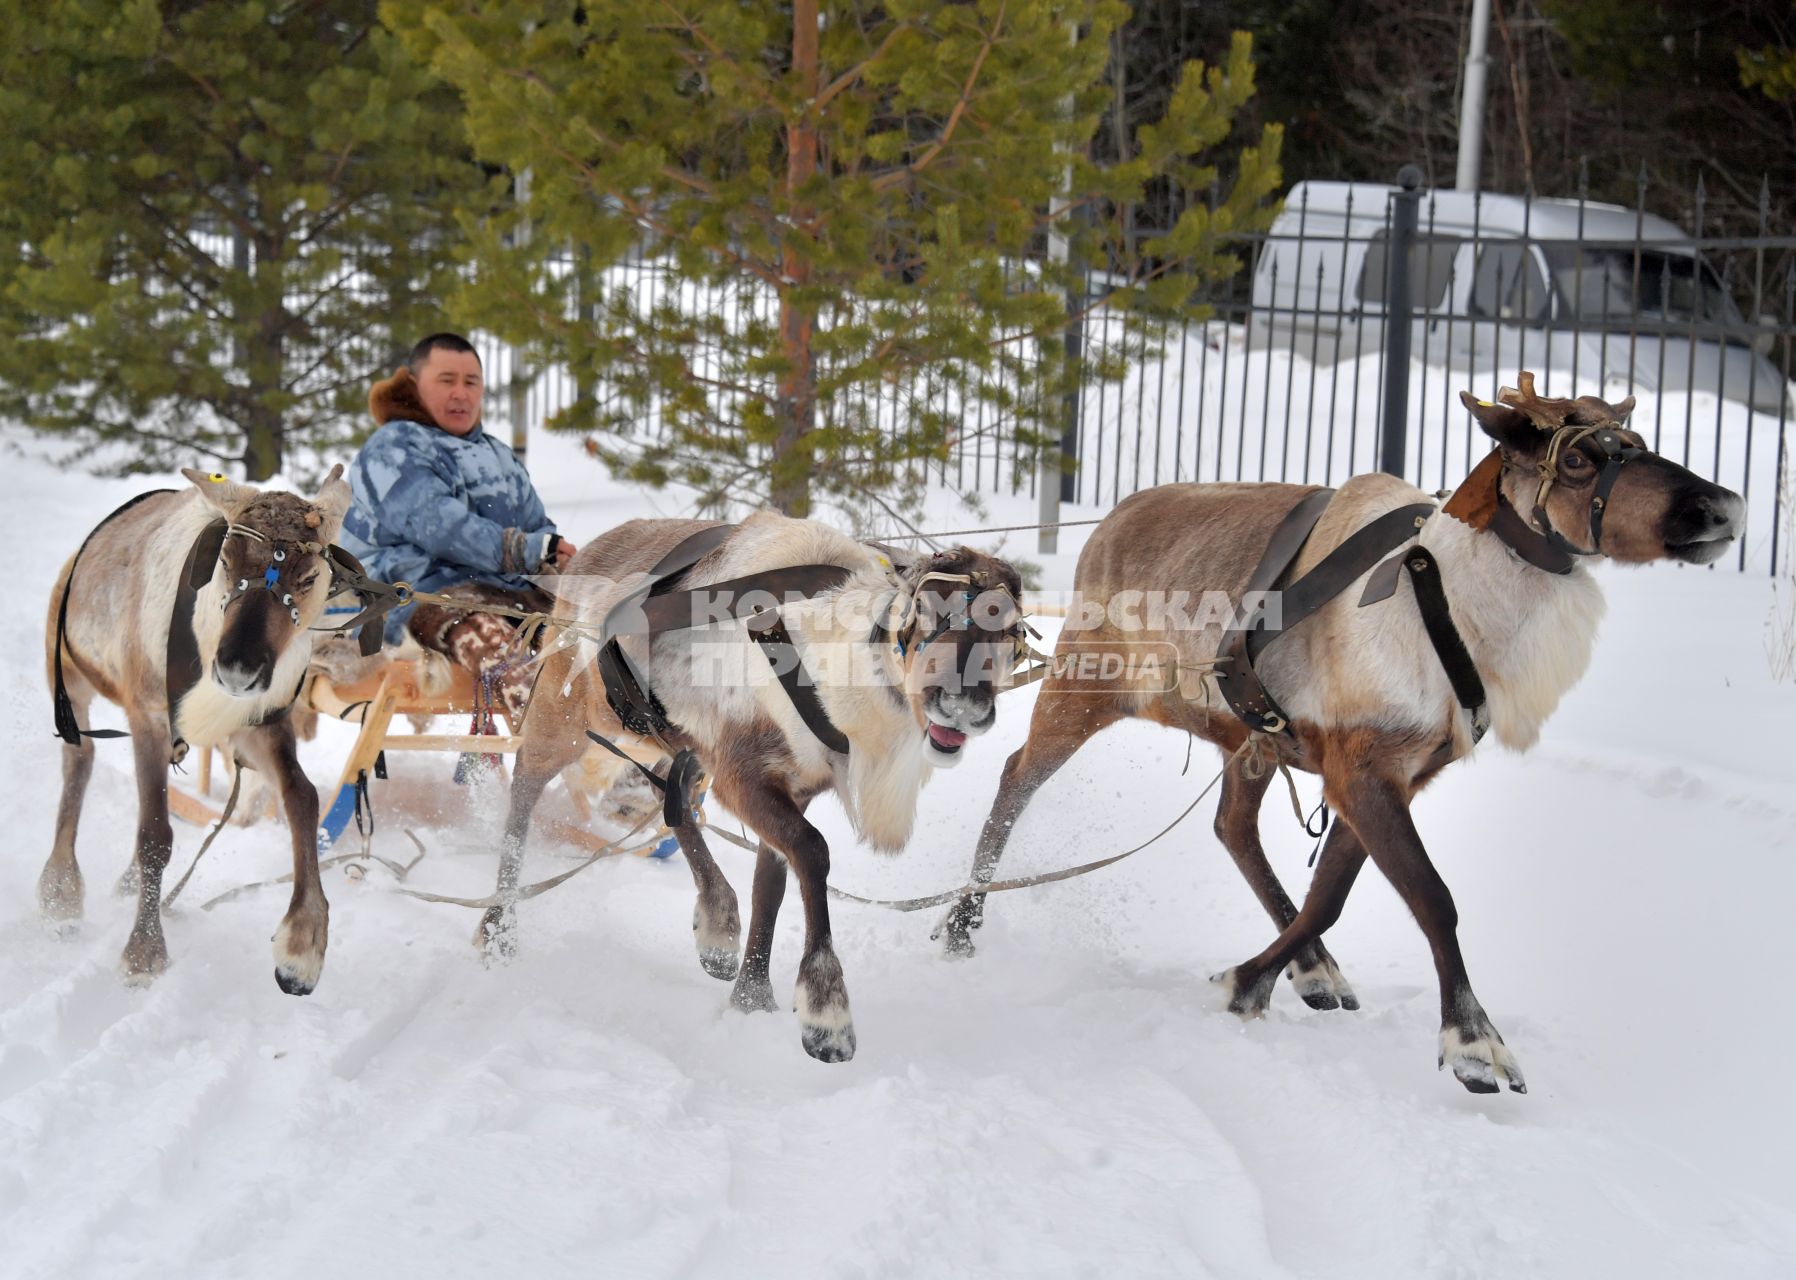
(1509, 427)
(333, 502)
(1623, 409)
(220, 490)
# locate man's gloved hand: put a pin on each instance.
(558, 553)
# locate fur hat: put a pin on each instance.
(397, 397)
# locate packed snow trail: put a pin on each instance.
(1073, 1101)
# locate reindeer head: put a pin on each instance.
(271, 572)
(1580, 479)
(958, 643)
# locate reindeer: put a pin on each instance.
(1369, 700)
(903, 694)
(257, 579)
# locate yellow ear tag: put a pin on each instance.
(216, 477)
(1485, 404)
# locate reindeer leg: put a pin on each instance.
(716, 922)
(1313, 972)
(753, 992)
(146, 952)
(301, 937)
(824, 1020)
(1378, 808)
(59, 886)
(554, 737)
(1063, 721)
(1250, 983)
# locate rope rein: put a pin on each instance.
(168, 899)
(1019, 882)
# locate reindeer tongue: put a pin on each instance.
(943, 736)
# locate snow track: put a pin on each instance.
(1070, 1102)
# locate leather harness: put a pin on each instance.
(1541, 545)
(657, 605)
(182, 668)
(1367, 548)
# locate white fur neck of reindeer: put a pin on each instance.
(880, 779)
(1530, 633)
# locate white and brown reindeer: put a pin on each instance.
(1368, 697)
(900, 693)
(253, 565)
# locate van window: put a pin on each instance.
(1507, 285)
(1600, 284)
(1430, 269)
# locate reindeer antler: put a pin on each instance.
(1542, 411)
(1550, 413)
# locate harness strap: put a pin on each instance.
(1532, 546)
(683, 774)
(181, 669)
(699, 606)
(627, 688)
(1235, 676)
(62, 707)
(789, 668)
(378, 598)
(1359, 551)
(1449, 645)
(1615, 454)
(656, 605)
(1239, 683)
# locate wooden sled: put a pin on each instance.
(399, 688)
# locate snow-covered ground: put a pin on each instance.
(1071, 1102)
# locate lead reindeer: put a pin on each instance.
(904, 674)
(1367, 693)
(226, 580)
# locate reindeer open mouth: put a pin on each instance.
(944, 739)
(950, 718)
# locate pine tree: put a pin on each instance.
(218, 220)
(875, 174)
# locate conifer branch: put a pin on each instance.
(887, 181)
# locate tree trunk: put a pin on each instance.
(265, 363)
(797, 409)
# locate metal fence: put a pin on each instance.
(1358, 317)
(1366, 308)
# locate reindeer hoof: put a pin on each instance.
(496, 937)
(753, 995)
(824, 1019)
(955, 932)
(717, 934)
(1248, 997)
(717, 962)
(1480, 1060)
(145, 960)
(60, 895)
(830, 1044)
(299, 946)
(1322, 986)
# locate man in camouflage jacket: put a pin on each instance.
(442, 505)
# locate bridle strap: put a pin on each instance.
(1615, 453)
(61, 705)
(1527, 542)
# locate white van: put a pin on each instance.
(1499, 283)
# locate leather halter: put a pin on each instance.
(1607, 439)
(911, 620)
(211, 544)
